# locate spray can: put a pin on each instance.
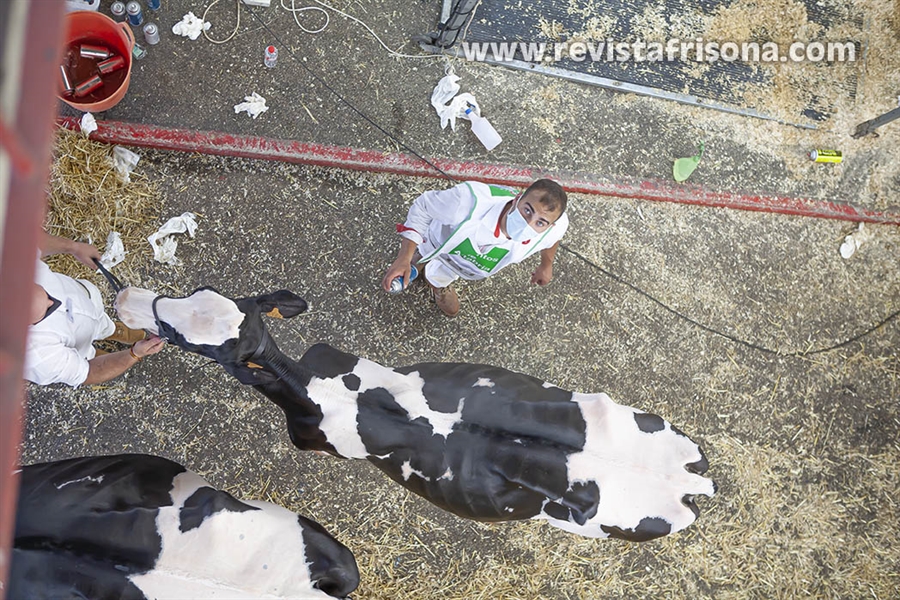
(271, 56)
(95, 52)
(117, 10)
(151, 33)
(826, 156)
(110, 64)
(65, 81)
(397, 284)
(135, 16)
(153, 5)
(89, 85)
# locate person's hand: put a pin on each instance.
(85, 253)
(399, 268)
(151, 345)
(543, 274)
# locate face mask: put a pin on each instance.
(517, 227)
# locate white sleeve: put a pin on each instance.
(445, 206)
(55, 363)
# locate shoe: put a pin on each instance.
(125, 335)
(446, 300)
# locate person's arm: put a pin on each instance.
(85, 253)
(401, 266)
(109, 366)
(445, 206)
(544, 273)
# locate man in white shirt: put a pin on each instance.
(67, 316)
(474, 229)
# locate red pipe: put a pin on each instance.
(226, 144)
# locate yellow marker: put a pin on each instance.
(826, 156)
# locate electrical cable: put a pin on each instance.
(565, 247)
(727, 336)
(237, 25)
(352, 18)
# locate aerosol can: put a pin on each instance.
(397, 285)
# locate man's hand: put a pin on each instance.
(543, 274)
(85, 253)
(399, 268)
(151, 345)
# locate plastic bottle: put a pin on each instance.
(271, 56)
(397, 284)
(484, 131)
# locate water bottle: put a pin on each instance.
(397, 284)
(271, 56)
(484, 131)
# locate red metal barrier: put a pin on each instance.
(225, 144)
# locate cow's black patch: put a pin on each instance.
(515, 405)
(57, 573)
(688, 500)
(327, 362)
(649, 423)
(109, 502)
(582, 500)
(557, 511)
(206, 502)
(332, 567)
(700, 466)
(288, 303)
(578, 504)
(351, 381)
(649, 528)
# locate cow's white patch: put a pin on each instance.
(406, 470)
(407, 391)
(87, 478)
(448, 475)
(483, 382)
(639, 474)
(235, 555)
(203, 318)
(339, 415)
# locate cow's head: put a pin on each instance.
(230, 332)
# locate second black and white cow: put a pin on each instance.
(482, 442)
(138, 527)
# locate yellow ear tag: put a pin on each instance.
(275, 313)
(254, 365)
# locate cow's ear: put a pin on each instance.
(281, 304)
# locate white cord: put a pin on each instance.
(294, 10)
(352, 18)
(236, 25)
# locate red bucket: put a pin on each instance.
(89, 27)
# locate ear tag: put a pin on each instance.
(275, 313)
(254, 365)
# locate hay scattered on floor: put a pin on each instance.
(87, 199)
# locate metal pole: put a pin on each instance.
(869, 127)
(450, 26)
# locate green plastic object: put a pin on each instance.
(683, 167)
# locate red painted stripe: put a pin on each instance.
(225, 144)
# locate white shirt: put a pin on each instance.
(58, 348)
(436, 214)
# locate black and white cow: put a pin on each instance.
(138, 527)
(479, 441)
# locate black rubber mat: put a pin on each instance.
(720, 81)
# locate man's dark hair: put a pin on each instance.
(549, 193)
